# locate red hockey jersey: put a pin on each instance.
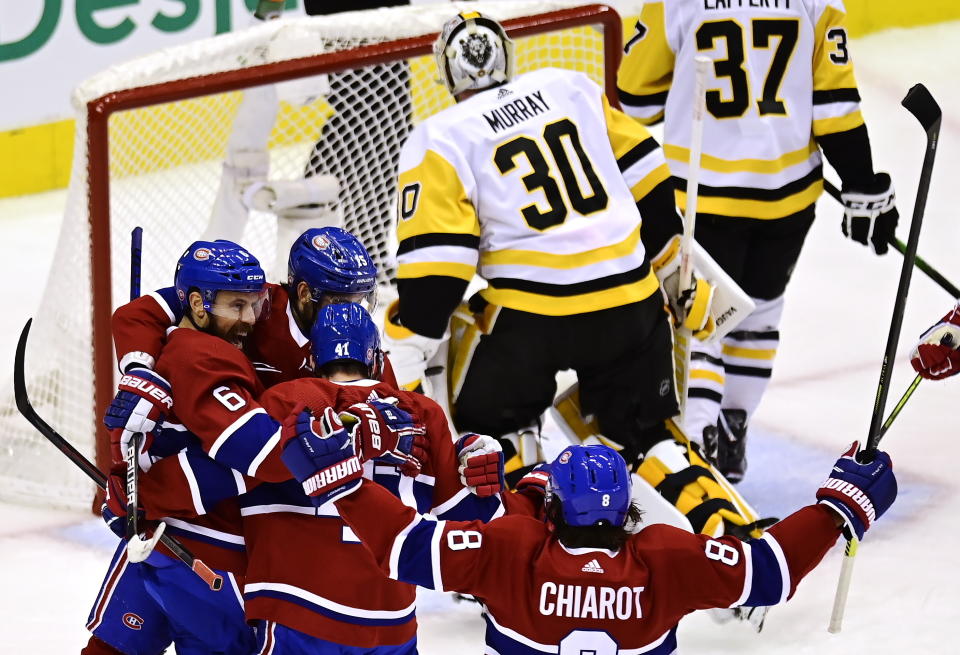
(217, 387)
(307, 570)
(541, 596)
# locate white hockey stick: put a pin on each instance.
(684, 335)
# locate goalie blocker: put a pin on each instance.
(729, 305)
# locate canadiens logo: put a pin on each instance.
(321, 242)
(202, 254)
(565, 457)
(181, 295)
(132, 621)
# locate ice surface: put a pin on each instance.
(904, 596)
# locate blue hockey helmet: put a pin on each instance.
(332, 261)
(212, 266)
(346, 331)
(593, 485)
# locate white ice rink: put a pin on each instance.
(905, 595)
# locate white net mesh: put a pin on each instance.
(165, 167)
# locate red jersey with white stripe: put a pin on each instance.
(277, 346)
(307, 570)
(543, 597)
(217, 389)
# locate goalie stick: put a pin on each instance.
(925, 109)
(683, 336)
(214, 580)
(901, 247)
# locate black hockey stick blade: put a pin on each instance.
(214, 580)
(921, 104)
(26, 408)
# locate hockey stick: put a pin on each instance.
(26, 409)
(684, 335)
(133, 467)
(925, 109)
(901, 247)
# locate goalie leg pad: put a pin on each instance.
(677, 469)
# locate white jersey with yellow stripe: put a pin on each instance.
(534, 185)
(782, 75)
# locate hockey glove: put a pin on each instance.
(534, 483)
(936, 356)
(870, 213)
(690, 307)
(142, 402)
(481, 464)
(114, 508)
(859, 492)
(386, 433)
(319, 454)
(409, 352)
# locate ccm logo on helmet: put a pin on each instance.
(146, 388)
(132, 621)
(321, 242)
(202, 254)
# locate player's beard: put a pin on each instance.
(235, 334)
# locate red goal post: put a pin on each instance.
(149, 152)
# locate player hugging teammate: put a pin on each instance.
(300, 468)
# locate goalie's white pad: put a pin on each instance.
(730, 303)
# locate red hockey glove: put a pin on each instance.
(481, 464)
(386, 433)
(936, 356)
(534, 483)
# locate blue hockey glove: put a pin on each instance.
(386, 433)
(319, 454)
(860, 493)
(142, 402)
(481, 464)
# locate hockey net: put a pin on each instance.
(151, 139)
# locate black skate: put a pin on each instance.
(732, 444)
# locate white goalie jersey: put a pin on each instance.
(534, 185)
(782, 75)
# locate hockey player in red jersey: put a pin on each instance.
(581, 581)
(353, 605)
(142, 608)
(936, 355)
(350, 604)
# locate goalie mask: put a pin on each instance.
(473, 52)
(592, 484)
